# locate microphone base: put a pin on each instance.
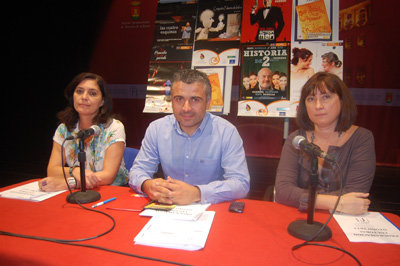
(303, 230)
(83, 197)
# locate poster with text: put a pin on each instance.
(264, 87)
(313, 20)
(171, 51)
(174, 32)
(266, 21)
(217, 34)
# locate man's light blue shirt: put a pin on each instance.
(212, 159)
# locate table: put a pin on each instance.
(256, 237)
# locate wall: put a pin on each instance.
(123, 51)
(45, 44)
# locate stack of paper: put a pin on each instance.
(29, 192)
(369, 227)
(182, 212)
(162, 231)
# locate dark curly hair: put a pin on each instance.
(302, 53)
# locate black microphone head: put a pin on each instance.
(70, 137)
(297, 140)
(94, 130)
(84, 133)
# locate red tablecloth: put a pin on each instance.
(256, 237)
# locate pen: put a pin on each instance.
(103, 202)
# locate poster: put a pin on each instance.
(314, 20)
(158, 97)
(330, 58)
(266, 21)
(173, 32)
(264, 87)
(217, 78)
(308, 58)
(171, 51)
(217, 34)
(303, 66)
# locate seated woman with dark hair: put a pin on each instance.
(89, 104)
(326, 114)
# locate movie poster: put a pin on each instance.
(171, 51)
(174, 32)
(217, 77)
(314, 20)
(158, 95)
(308, 58)
(264, 87)
(266, 21)
(217, 34)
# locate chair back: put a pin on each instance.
(129, 156)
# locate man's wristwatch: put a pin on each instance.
(71, 182)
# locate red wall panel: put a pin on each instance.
(123, 51)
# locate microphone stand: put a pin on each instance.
(83, 196)
(306, 229)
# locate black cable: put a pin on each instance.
(333, 247)
(89, 246)
(70, 241)
(307, 242)
(77, 201)
(70, 191)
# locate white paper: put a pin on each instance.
(162, 231)
(30, 191)
(369, 227)
(181, 212)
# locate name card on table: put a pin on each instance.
(369, 227)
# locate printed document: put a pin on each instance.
(369, 227)
(182, 212)
(162, 231)
(30, 191)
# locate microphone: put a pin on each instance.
(84, 133)
(300, 142)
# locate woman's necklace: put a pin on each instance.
(313, 136)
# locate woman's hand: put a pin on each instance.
(49, 184)
(354, 203)
(92, 181)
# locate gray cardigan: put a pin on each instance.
(356, 159)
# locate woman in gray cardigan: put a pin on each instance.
(325, 116)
